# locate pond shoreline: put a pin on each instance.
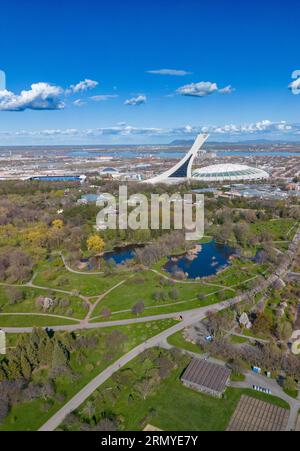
(203, 260)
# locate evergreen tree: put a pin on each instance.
(59, 356)
(25, 366)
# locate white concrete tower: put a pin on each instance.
(183, 169)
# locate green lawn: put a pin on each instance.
(238, 340)
(238, 273)
(237, 377)
(280, 229)
(86, 284)
(65, 304)
(142, 287)
(179, 341)
(32, 320)
(176, 307)
(291, 393)
(31, 415)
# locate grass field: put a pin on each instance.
(56, 276)
(32, 320)
(280, 229)
(238, 340)
(66, 305)
(144, 285)
(180, 342)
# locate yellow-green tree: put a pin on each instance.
(95, 244)
(58, 223)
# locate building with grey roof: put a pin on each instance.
(206, 377)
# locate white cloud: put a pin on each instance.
(175, 72)
(79, 102)
(104, 97)
(41, 96)
(295, 84)
(202, 89)
(135, 101)
(84, 85)
(226, 90)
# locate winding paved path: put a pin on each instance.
(74, 271)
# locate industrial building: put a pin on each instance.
(58, 178)
(206, 377)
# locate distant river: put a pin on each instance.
(176, 154)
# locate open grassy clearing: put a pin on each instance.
(32, 320)
(86, 363)
(56, 276)
(143, 287)
(237, 339)
(64, 304)
(280, 229)
(180, 342)
(237, 273)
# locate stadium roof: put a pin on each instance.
(223, 172)
(109, 170)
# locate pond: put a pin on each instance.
(202, 261)
(120, 254)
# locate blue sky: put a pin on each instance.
(84, 68)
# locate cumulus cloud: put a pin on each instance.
(202, 89)
(295, 84)
(135, 101)
(104, 97)
(178, 73)
(41, 96)
(84, 85)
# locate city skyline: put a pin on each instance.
(130, 74)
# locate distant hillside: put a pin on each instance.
(182, 142)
